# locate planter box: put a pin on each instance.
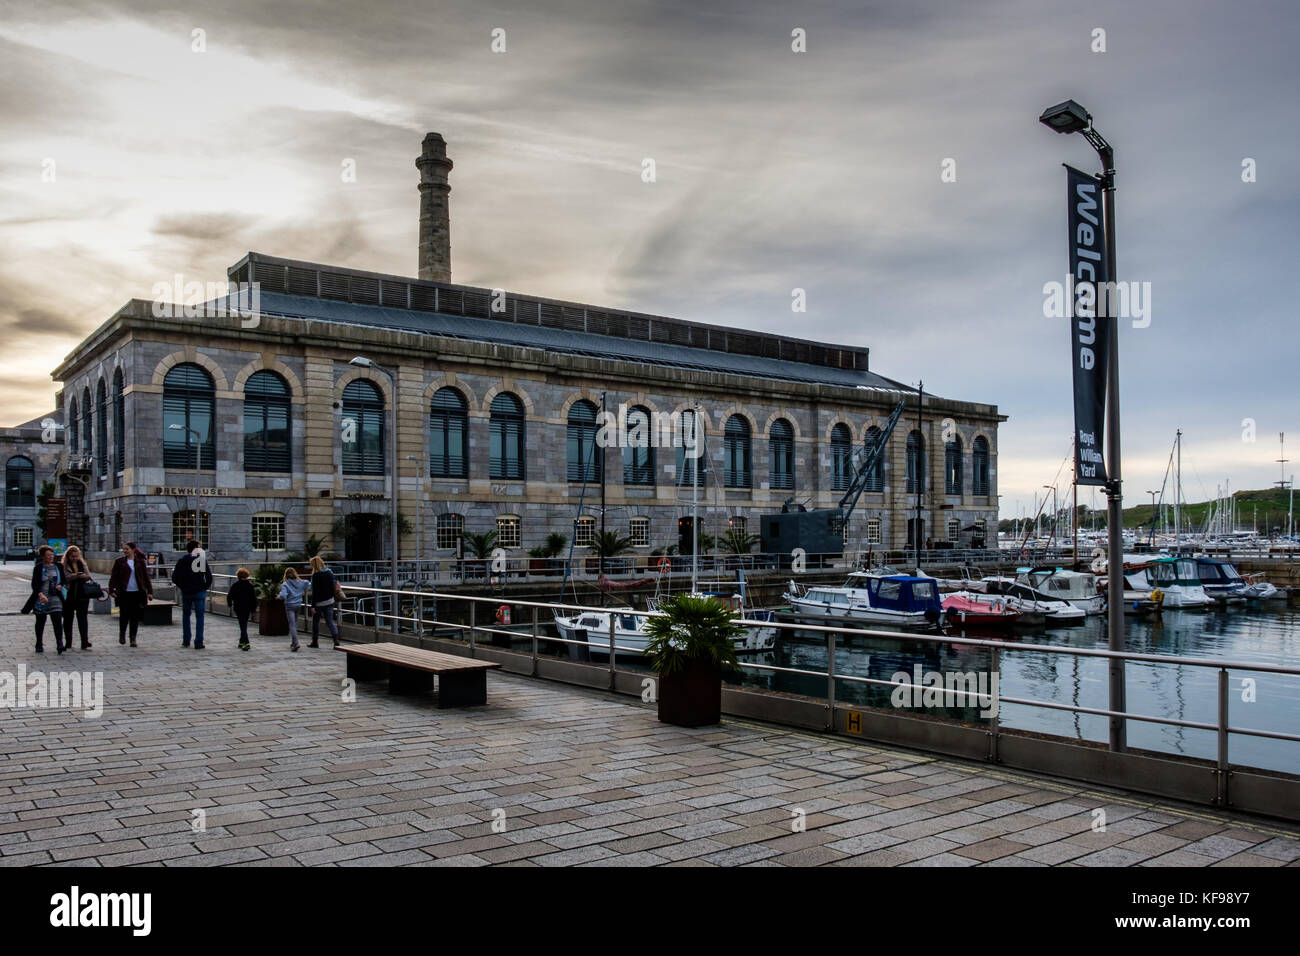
(272, 621)
(692, 697)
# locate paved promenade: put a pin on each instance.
(286, 772)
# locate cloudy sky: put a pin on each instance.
(133, 148)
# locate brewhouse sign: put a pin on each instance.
(192, 492)
(367, 495)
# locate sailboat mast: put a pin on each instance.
(695, 497)
(1178, 483)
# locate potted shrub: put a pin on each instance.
(607, 545)
(543, 557)
(691, 643)
(272, 621)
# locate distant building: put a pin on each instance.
(29, 461)
(254, 431)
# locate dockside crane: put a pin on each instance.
(821, 531)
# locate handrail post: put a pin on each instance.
(1222, 790)
(995, 666)
(611, 650)
(830, 680)
(534, 640)
(473, 608)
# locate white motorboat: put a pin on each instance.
(1258, 590)
(1030, 601)
(893, 599)
(1076, 588)
(1180, 583)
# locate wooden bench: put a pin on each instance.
(462, 681)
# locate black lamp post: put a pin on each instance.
(1070, 117)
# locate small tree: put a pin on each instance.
(608, 544)
(43, 505)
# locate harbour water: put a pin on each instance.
(1270, 635)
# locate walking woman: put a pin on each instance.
(131, 588)
(292, 591)
(242, 598)
(324, 589)
(47, 588)
(76, 575)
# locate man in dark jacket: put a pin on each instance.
(192, 578)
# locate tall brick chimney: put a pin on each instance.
(435, 221)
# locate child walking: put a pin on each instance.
(292, 591)
(242, 598)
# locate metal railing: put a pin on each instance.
(473, 631)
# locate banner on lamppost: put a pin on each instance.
(1088, 335)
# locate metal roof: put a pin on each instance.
(569, 342)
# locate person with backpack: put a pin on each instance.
(81, 590)
(292, 591)
(242, 598)
(47, 589)
(325, 590)
(192, 578)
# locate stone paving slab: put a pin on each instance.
(287, 772)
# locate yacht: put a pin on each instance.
(1179, 581)
(1027, 600)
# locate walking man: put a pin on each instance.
(192, 578)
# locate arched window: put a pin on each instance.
(639, 453)
(450, 528)
(509, 531)
(841, 457)
(506, 451)
(363, 428)
(584, 458)
(952, 476)
(448, 428)
(915, 463)
(266, 423)
(184, 528)
(119, 422)
(87, 424)
(73, 428)
(736, 463)
(781, 448)
(980, 465)
(690, 449)
(584, 530)
(873, 531)
(189, 402)
(20, 483)
(954, 529)
(876, 476)
(101, 429)
(268, 531)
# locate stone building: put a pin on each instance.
(254, 429)
(31, 455)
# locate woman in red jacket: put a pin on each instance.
(131, 588)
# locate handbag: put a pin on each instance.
(91, 590)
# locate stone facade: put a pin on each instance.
(312, 354)
(40, 442)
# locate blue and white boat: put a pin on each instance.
(865, 598)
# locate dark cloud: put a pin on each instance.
(204, 227)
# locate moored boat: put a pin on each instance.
(899, 600)
(966, 609)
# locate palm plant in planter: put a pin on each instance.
(692, 642)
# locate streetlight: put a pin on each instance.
(1070, 117)
(363, 362)
(197, 445)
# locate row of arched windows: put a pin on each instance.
(88, 433)
(188, 435)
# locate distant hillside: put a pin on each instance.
(1265, 509)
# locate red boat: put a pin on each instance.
(992, 615)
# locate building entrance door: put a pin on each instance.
(915, 536)
(685, 535)
(365, 537)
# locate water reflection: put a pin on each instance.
(1269, 636)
